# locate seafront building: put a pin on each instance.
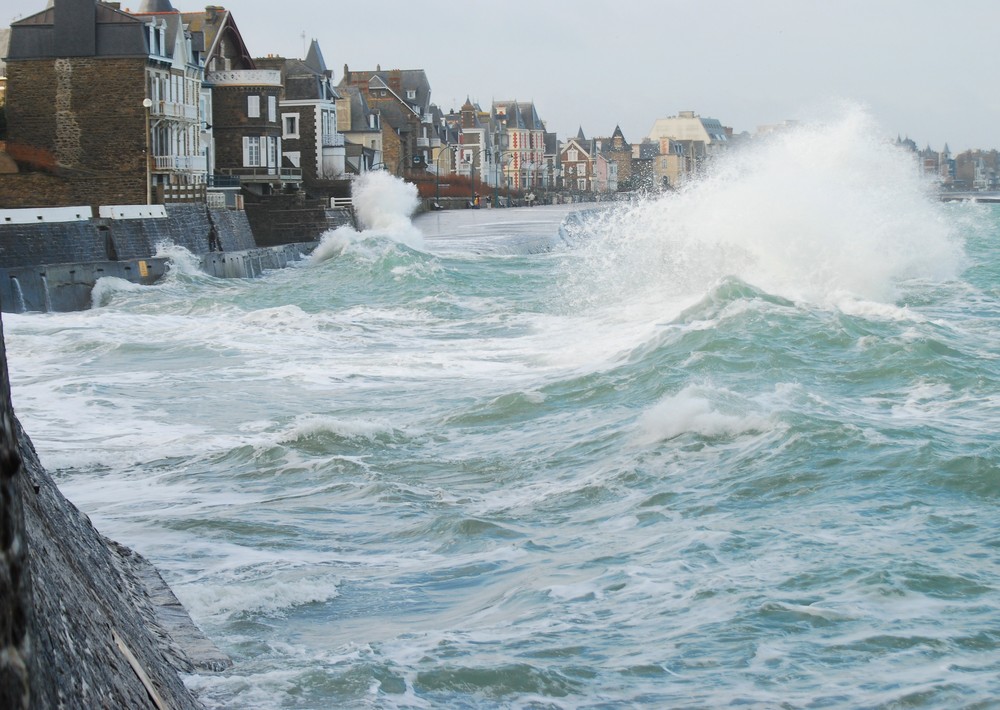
(307, 105)
(402, 100)
(107, 104)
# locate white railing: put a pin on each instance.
(216, 200)
(333, 139)
(184, 163)
(245, 77)
(171, 109)
(423, 142)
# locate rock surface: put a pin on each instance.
(80, 626)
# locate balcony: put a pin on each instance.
(423, 142)
(335, 140)
(244, 77)
(223, 181)
(435, 142)
(180, 163)
(171, 109)
(261, 174)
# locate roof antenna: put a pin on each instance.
(303, 44)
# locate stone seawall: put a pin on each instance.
(85, 622)
(195, 227)
(54, 266)
(68, 287)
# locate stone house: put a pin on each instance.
(362, 131)
(577, 164)
(105, 105)
(617, 150)
(245, 124)
(308, 108)
(475, 152)
(402, 99)
(644, 156)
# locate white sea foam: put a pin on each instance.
(311, 425)
(182, 261)
(106, 287)
(266, 587)
(383, 205)
(817, 213)
(692, 411)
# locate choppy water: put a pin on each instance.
(732, 447)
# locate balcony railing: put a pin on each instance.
(335, 140)
(423, 142)
(435, 142)
(262, 174)
(221, 181)
(171, 109)
(180, 163)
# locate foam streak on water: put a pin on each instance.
(735, 445)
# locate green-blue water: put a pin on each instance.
(735, 446)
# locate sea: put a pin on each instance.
(733, 445)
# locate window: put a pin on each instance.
(251, 151)
(581, 184)
(290, 125)
(571, 155)
(411, 93)
(272, 108)
(253, 107)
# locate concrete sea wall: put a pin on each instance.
(50, 259)
(85, 622)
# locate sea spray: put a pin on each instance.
(383, 205)
(448, 491)
(818, 213)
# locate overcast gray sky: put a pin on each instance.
(924, 68)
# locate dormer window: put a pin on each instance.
(411, 94)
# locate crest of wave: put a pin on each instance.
(822, 213)
(182, 261)
(383, 205)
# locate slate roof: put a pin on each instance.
(409, 80)
(212, 25)
(118, 34)
(529, 115)
(147, 6)
(359, 109)
(308, 78)
(648, 150)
